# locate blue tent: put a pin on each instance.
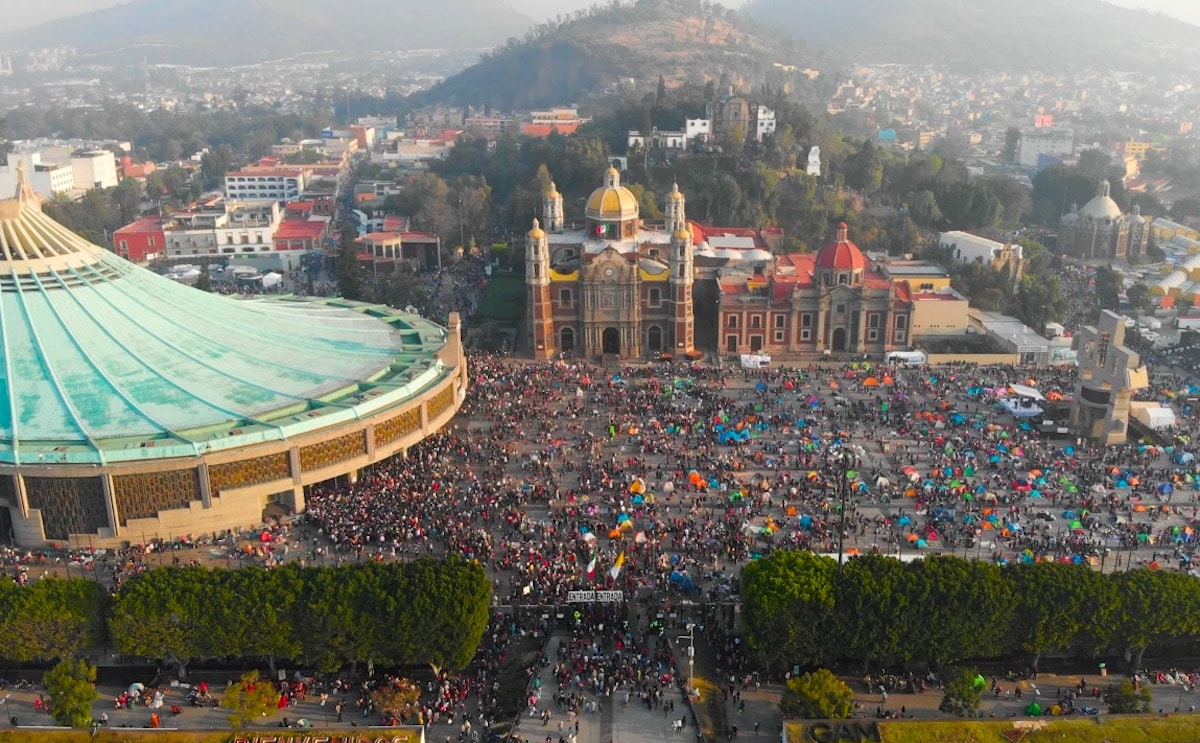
(684, 582)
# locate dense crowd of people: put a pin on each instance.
(661, 480)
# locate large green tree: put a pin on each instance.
(789, 608)
(72, 688)
(875, 586)
(962, 694)
(50, 619)
(962, 608)
(249, 700)
(1153, 606)
(818, 695)
(1059, 606)
(349, 269)
(1108, 288)
(162, 614)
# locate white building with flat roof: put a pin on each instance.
(1058, 141)
(265, 185)
(764, 122)
(693, 128)
(48, 180)
(94, 169)
(964, 247)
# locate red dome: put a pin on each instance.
(841, 254)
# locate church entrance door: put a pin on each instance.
(839, 339)
(610, 341)
(654, 339)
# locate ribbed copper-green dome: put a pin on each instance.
(104, 361)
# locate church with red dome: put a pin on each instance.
(832, 301)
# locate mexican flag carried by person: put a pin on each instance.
(591, 566)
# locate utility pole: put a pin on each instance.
(691, 638)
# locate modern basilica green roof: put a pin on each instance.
(104, 361)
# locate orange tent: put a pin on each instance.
(870, 382)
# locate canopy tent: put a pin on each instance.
(1020, 407)
(1022, 390)
(1156, 418)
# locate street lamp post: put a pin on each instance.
(691, 638)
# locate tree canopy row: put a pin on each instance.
(943, 610)
(423, 612)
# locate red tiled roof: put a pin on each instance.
(395, 223)
(928, 296)
(143, 225)
(544, 130)
(300, 229)
(783, 289)
(802, 262)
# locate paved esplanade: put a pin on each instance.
(619, 717)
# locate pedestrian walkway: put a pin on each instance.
(622, 717)
(635, 722)
(591, 724)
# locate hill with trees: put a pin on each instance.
(985, 34)
(226, 32)
(616, 47)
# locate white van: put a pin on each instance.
(908, 358)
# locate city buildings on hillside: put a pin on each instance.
(402, 150)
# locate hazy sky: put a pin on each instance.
(28, 13)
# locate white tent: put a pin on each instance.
(1021, 390)
(1156, 418)
(271, 279)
